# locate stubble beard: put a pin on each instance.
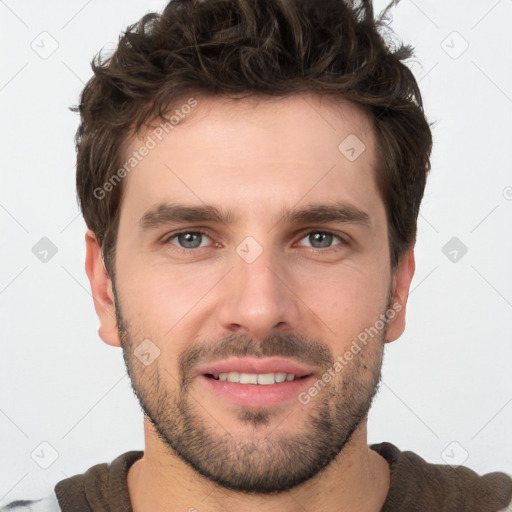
(263, 461)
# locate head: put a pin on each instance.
(251, 174)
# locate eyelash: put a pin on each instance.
(344, 241)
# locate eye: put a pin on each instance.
(318, 240)
(188, 239)
(322, 240)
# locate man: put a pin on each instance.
(251, 173)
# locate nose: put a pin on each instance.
(259, 297)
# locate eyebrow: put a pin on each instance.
(165, 213)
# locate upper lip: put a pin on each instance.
(255, 365)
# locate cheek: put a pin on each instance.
(346, 301)
(158, 297)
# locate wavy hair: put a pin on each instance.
(241, 48)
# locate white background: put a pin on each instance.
(447, 379)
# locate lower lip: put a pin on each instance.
(256, 395)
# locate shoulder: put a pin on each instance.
(47, 504)
(443, 486)
(78, 491)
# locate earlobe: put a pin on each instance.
(101, 287)
(400, 286)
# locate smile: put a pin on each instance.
(263, 379)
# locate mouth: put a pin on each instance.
(261, 379)
(254, 382)
(252, 370)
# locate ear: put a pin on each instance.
(101, 287)
(400, 286)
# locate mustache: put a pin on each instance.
(288, 345)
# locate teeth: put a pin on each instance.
(264, 379)
(248, 378)
(233, 377)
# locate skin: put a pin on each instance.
(254, 159)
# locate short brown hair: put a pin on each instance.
(254, 47)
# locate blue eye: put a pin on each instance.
(324, 239)
(319, 241)
(188, 239)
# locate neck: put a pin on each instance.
(357, 480)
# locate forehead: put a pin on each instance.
(255, 154)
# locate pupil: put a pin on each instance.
(187, 240)
(324, 239)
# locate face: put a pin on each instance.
(251, 248)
